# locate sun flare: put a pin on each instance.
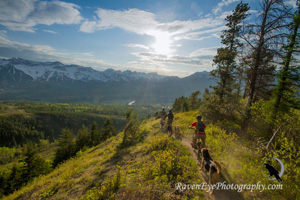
(162, 43)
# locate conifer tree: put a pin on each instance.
(107, 130)
(83, 138)
(66, 147)
(287, 91)
(194, 101)
(263, 39)
(95, 134)
(34, 165)
(225, 59)
(180, 104)
(131, 130)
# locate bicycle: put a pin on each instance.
(197, 148)
(162, 126)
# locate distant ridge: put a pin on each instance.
(55, 82)
(58, 71)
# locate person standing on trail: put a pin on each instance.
(170, 116)
(199, 131)
(163, 117)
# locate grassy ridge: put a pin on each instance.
(148, 169)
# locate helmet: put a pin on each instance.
(198, 117)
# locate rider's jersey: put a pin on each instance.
(199, 128)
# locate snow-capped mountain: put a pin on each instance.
(55, 82)
(59, 72)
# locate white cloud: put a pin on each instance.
(292, 3)
(56, 12)
(47, 53)
(16, 10)
(143, 22)
(224, 15)
(24, 15)
(220, 5)
(141, 46)
(205, 52)
(3, 32)
(200, 35)
(88, 26)
(49, 31)
(178, 27)
(133, 20)
(201, 57)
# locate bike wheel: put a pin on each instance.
(199, 150)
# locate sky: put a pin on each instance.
(169, 37)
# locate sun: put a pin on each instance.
(162, 43)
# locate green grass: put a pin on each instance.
(148, 169)
(241, 159)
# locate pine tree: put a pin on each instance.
(131, 130)
(66, 147)
(15, 180)
(95, 134)
(34, 165)
(107, 130)
(225, 59)
(194, 101)
(83, 138)
(181, 104)
(285, 94)
(263, 39)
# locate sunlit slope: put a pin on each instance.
(241, 159)
(148, 169)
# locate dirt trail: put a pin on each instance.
(217, 194)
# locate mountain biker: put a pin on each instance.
(170, 116)
(163, 117)
(199, 131)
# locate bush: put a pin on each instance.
(7, 155)
(107, 190)
(170, 163)
(287, 150)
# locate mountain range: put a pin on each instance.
(55, 82)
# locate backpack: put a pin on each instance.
(170, 115)
(200, 127)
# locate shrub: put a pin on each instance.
(107, 190)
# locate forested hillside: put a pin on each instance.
(21, 123)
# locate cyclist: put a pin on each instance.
(170, 116)
(163, 117)
(199, 131)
